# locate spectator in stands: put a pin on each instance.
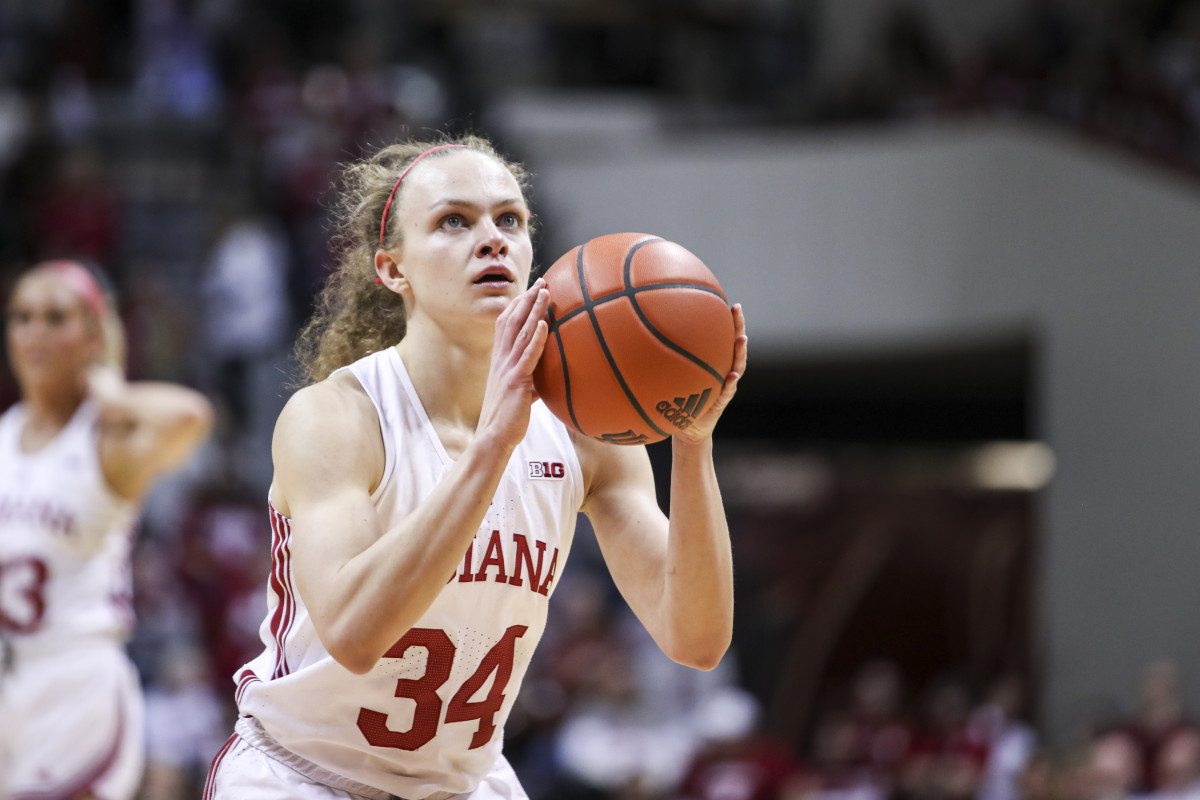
(737, 759)
(1177, 767)
(1112, 768)
(1160, 716)
(999, 725)
(946, 761)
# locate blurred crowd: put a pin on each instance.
(190, 147)
(1123, 72)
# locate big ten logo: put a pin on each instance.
(547, 470)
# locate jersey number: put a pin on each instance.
(22, 594)
(423, 691)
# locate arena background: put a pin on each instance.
(965, 237)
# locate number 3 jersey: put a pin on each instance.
(429, 717)
(65, 539)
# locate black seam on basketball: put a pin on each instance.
(700, 287)
(655, 332)
(581, 275)
(612, 364)
(634, 249)
(566, 371)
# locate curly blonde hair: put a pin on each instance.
(354, 316)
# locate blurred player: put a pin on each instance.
(424, 503)
(77, 454)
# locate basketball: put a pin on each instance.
(641, 339)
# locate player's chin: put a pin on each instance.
(501, 294)
(492, 305)
(509, 289)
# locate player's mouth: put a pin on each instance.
(495, 276)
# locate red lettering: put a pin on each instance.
(494, 556)
(466, 576)
(423, 692)
(500, 661)
(23, 594)
(524, 561)
(428, 703)
(545, 587)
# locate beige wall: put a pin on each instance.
(937, 232)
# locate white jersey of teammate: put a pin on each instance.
(65, 539)
(69, 696)
(429, 717)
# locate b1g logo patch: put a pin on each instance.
(547, 470)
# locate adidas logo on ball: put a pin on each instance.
(683, 411)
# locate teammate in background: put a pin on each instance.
(415, 548)
(77, 454)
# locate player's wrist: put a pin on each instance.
(685, 447)
(491, 447)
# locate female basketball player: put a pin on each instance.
(77, 453)
(415, 548)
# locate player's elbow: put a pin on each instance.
(704, 655)
(197, 420)
(703, 661)
(356, 659)
(348, 650)
(192, 422)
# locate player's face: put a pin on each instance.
(466, 249)
(51, 339)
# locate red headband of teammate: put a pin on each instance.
(83, 282)
(392, 196)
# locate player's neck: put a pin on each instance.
(449, 377)
(47, 413)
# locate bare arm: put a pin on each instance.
(146, 428)
(363, 585)
(677, 573)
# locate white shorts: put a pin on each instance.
(264, 771)
(72, 723)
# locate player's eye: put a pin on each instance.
(56, 318)
(453, 221)
(509, 220)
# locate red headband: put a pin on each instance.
(83, 282)
(411, 164)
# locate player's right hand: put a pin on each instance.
(520, 337)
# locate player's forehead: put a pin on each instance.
(461, 175)
(43, 289)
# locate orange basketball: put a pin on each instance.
(641, 338)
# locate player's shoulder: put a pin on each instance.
(337, 406)
(327, 434)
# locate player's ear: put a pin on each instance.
(390, 272)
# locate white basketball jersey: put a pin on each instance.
(65, 538)
(429, 717)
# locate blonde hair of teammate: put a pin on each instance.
(354, 315)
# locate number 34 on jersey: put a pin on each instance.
(427, 714)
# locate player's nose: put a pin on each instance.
(492, 243)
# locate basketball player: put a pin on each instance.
(415, 547)
(77, 453)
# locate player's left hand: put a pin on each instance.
(105, 383)
(702, 426)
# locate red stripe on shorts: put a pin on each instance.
(244, 680)
(216, 764)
